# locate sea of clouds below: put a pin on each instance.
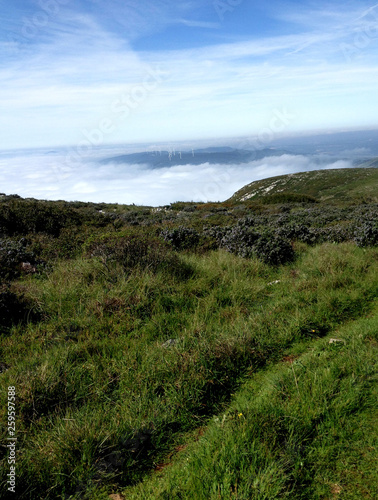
(50, 176)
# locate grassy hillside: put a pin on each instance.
(331, 186)
(219, 350)
(370, 163)
(291, 431)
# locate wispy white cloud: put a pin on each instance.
(322, 14)
(199, 24)
(69, 78)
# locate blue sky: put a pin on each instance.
(79, 72)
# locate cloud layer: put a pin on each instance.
(45, 175)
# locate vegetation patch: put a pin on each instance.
(194, 351)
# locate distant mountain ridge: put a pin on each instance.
(213, 155)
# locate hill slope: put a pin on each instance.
(230, 349)
(373, 163)
(346, 184)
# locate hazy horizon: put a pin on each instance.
(64, 174)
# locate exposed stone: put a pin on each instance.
(170, 343)
(26, 267)
(3, 367)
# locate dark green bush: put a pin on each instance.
(23, 216)
(181, 238)
(273, 249)
(138, 250)
(288, 198)
(336, 234)
(12, 254)
(299, 232)
(367, 234)
(239, 240)
(13, 309)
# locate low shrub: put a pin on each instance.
(13, 309)
(138, 251)
(12, 254)
(298, 232)
(288, 198)
(23, 216)
(367, 234)
(239, 240)
(273, 249)
(181, 238)
(336, 234)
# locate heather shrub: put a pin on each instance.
(22, 216)
(12, 254)
(215, 232)
(288, 198)
(366, 234)
(239, 240)
(298, 232)
(137, 217)
(273, 249)
(247, 222)
(190, 208)
(181, 238)
(336, 234)
(137, 251)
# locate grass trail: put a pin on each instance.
(304, 428)
(103, 398)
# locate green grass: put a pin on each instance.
(303, 428)
(152, 373)
(102, 399)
